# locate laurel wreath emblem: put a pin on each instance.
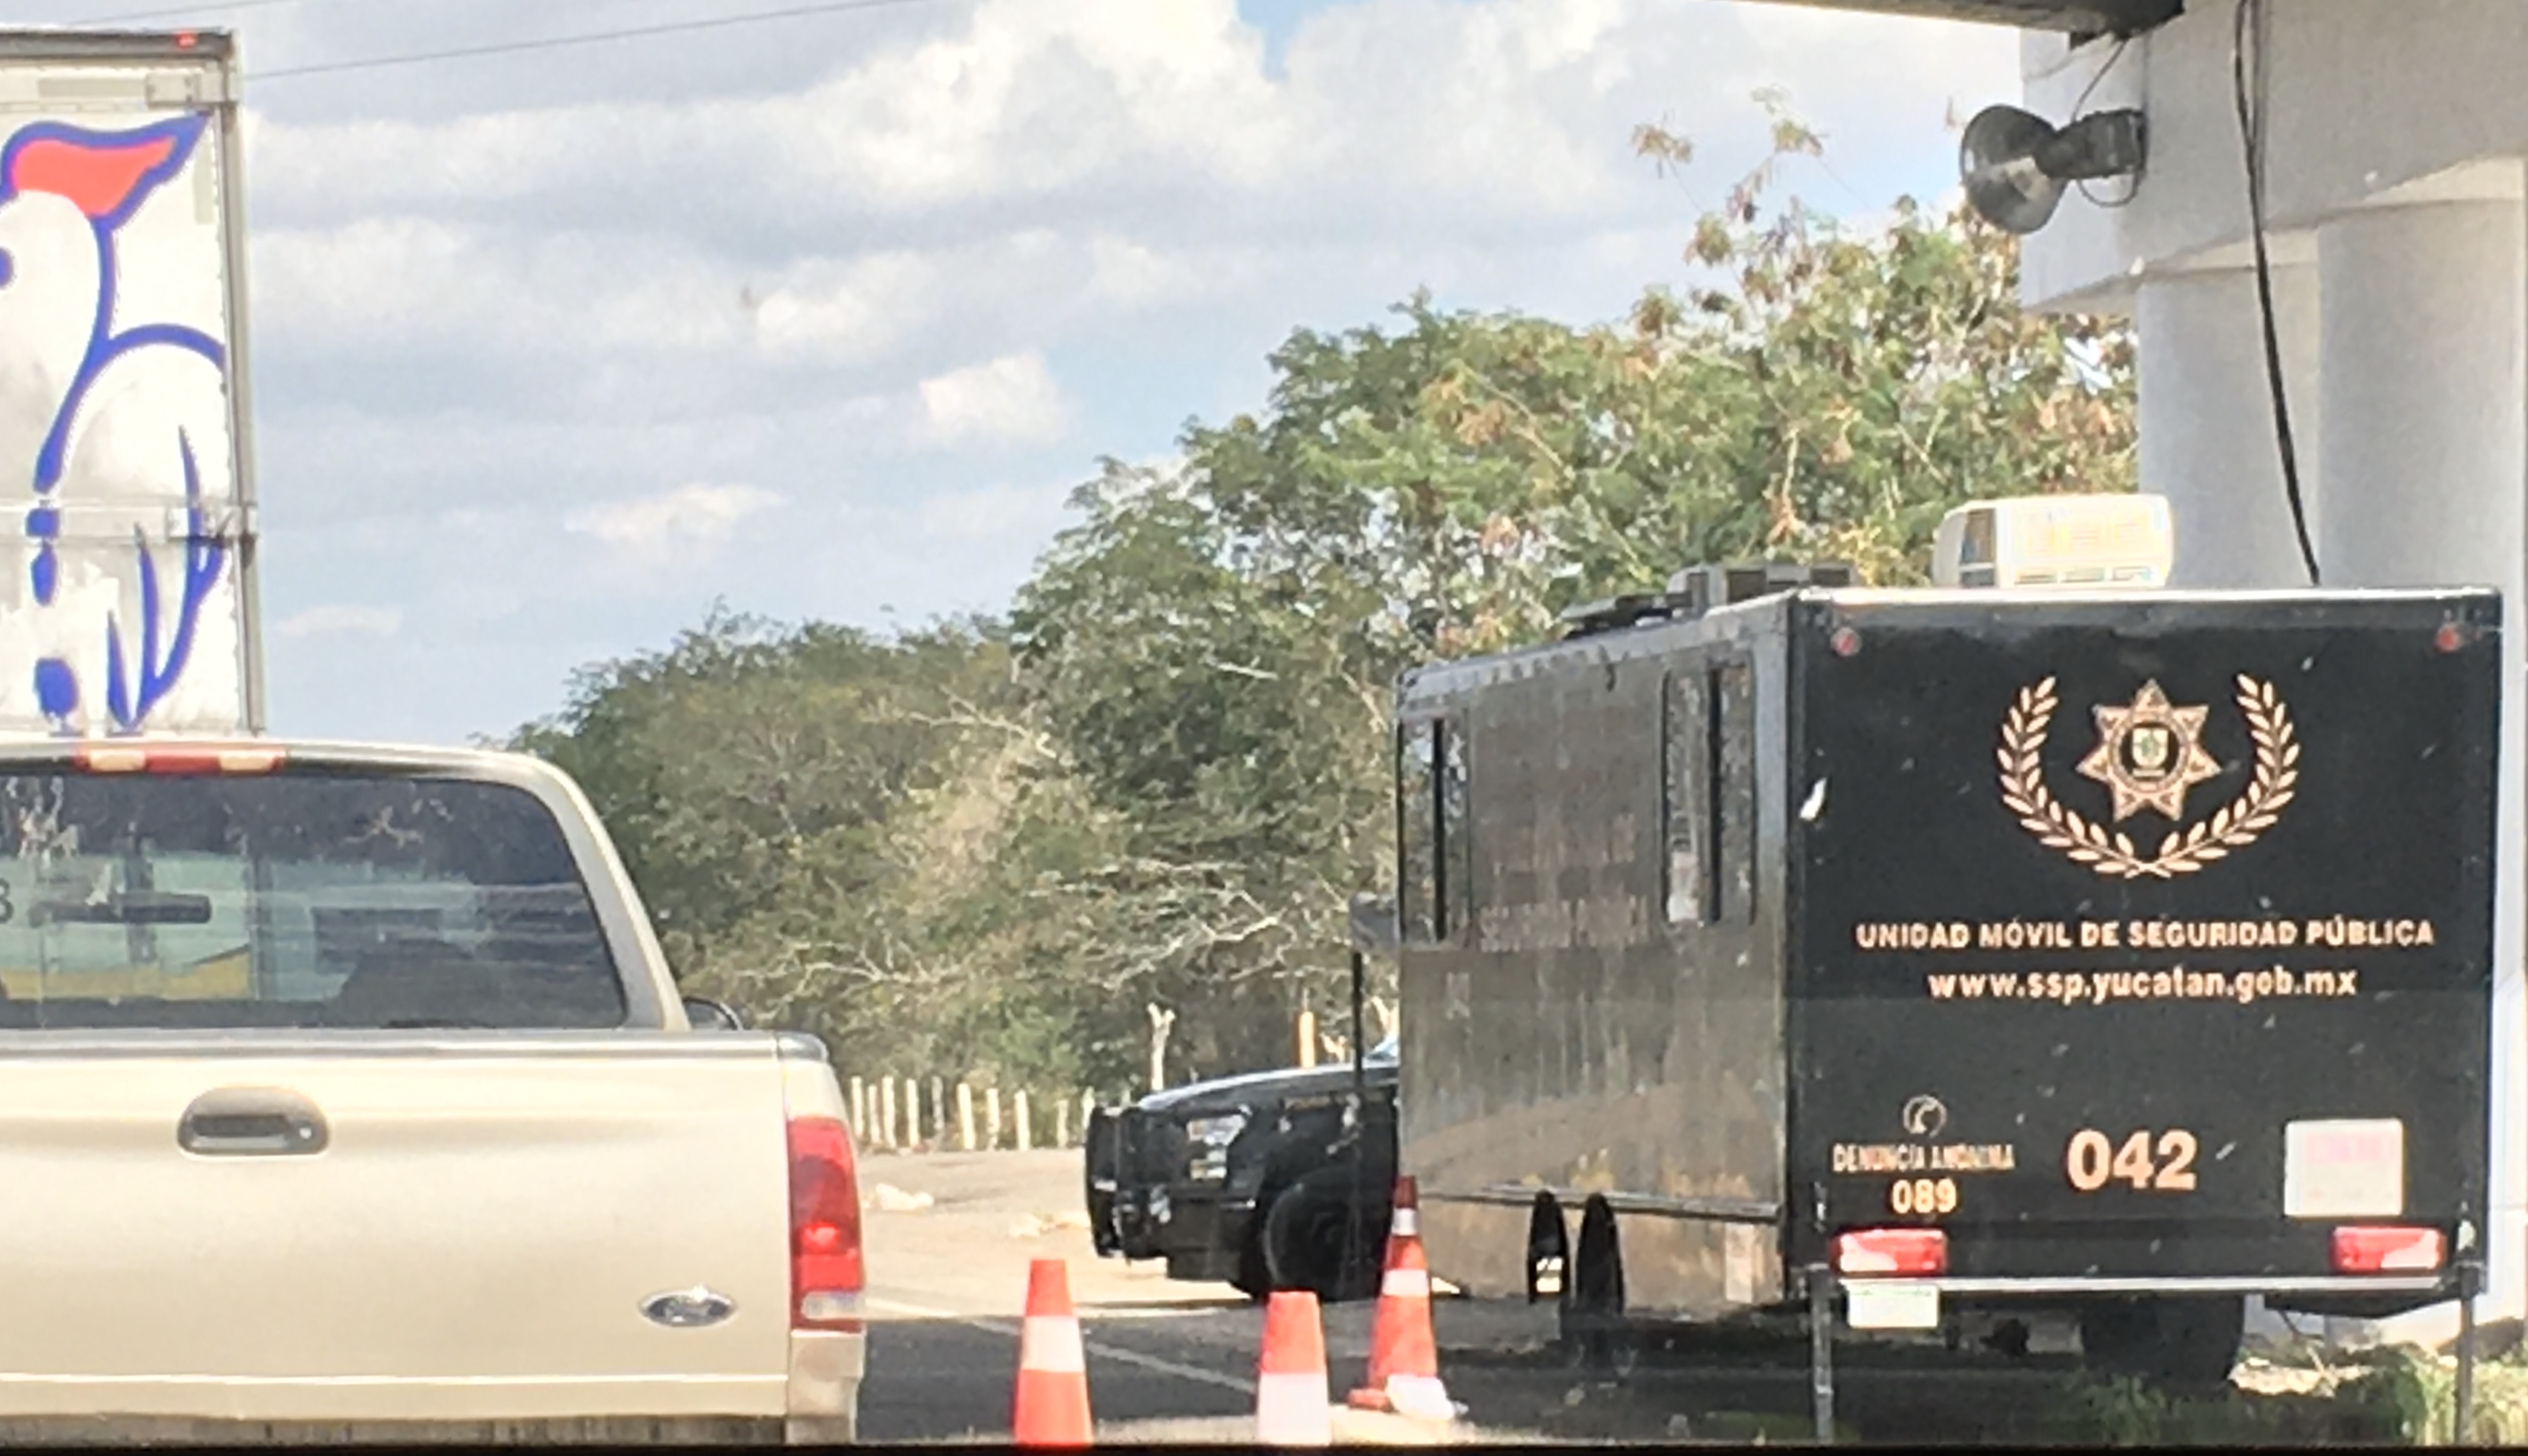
(2235, 826)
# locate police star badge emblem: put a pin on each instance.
(2149, 752)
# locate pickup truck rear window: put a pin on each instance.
(301, 899)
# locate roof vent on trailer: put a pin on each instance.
(1701, 588)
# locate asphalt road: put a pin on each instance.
(948, 1285)
(1171, 1361)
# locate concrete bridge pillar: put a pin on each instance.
(2206, 420)
(2425, 435)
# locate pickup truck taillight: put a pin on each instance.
(825, 1226)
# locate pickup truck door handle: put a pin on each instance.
(251, 1121)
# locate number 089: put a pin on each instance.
(1922, 1196)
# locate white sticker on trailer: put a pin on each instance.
(1891, 1304)
(2346, 1169)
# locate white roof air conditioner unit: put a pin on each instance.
(2056, 543)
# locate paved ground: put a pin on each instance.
(1171, 1361)
(948, 1284)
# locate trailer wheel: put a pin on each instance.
(2174, 1342)
(1592, 1300)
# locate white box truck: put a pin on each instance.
(127, 468)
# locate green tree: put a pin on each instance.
(758, 780)
(1211, 649)
(1212, 711)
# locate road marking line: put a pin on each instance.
(1095, 1347)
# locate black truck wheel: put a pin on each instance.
(1319, 1238)
(1594, 1329)
(2177, 1343)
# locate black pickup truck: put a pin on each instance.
(1270, 1180)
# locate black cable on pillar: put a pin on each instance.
(2253, 102)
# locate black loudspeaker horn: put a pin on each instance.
(2016, 165)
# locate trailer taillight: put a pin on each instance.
(825, 1275)
(2370, 1250)
(1904, 1253)
(178, 758)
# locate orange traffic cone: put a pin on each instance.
(1403, 1354)
(1292, 1408)
(1052, 1404)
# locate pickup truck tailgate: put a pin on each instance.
(440, 1227)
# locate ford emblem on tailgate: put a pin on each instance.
(688, 1309)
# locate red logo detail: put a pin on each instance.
(97, 180)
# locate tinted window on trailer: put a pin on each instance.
(1456, 862)
(1417, 875)
(1733, 783)
(1685, 734)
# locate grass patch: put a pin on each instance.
(2129, 1412)
(2391, 1396)
(2417, 1392)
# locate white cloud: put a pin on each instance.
(688, 521)
(496, 289)
(342, 621)
(1388, 112)
(1012, 399)
(995, 513)
(1134, 274)
(494, 299)
(999, 177)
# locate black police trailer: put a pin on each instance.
(2117, 955)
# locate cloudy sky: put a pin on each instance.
(825, 315)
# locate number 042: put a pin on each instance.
(2159, 1162)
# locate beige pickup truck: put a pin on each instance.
(344, 1093)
